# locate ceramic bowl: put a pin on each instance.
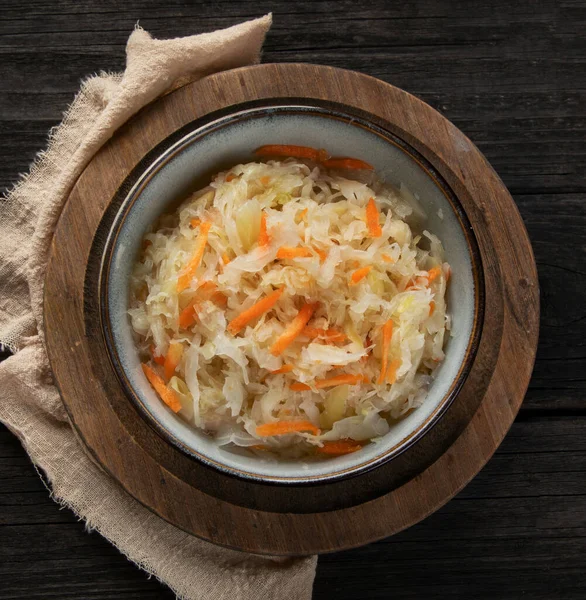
(177, 167)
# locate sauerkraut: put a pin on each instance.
(290, 307)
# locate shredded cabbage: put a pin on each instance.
(230, 383)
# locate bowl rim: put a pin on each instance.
(163, 153)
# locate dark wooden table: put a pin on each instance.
(512, 76)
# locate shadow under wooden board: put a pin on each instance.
(273, 519)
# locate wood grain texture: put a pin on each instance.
(140, 461)
(518, 528)
(529, 123)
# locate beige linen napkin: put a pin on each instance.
(29, 402)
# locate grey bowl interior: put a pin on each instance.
(230, 140)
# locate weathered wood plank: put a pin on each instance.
(518, 528)
(557, 228)
(505, 73)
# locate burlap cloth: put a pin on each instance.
(29, 402)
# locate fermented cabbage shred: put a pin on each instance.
(362, 295)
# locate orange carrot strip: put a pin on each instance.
(331, 335)
(331, 382)
(187, 275)
(321, 253)
(392, 370)
(209, 291)
(265, 180)
(299, 387)
(188, 316)
(339, 447)
(290, 252)
(387, 258)
(159, 359)
(431, 308)
(168, 396)
(263, 236)
(173, 358)
(283, 369)
(283, 427)
(347, 163)
(230, 177)
(387, 334)
(195, 222)
(296, 151)
(293, 330)
(433, 274)
(303, 214)
(255, 311)
(225, 258)
(359, 274)
(206, 289)
(411, 284)
(373, 219)
(368, 350)
(220, 299)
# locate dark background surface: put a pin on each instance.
(512, 76)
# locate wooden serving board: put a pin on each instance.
(268, 518)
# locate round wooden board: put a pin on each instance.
(170, 483)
